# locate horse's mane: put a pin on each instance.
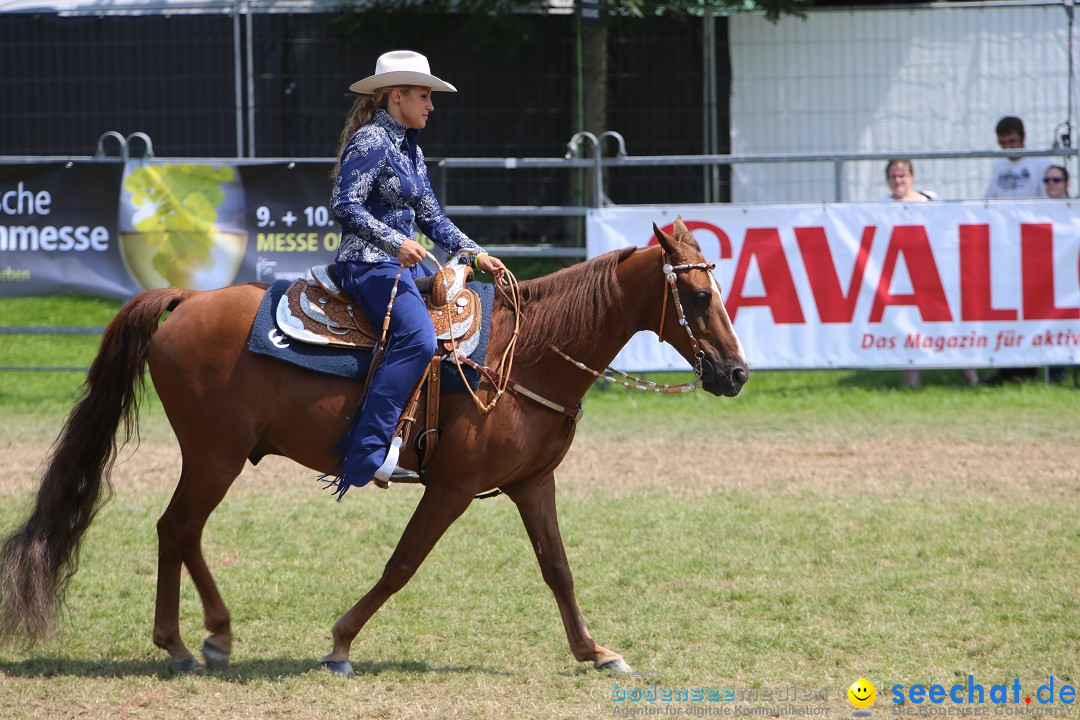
(566, 306)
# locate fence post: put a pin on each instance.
(598, 166)
(250, 26)
(440, 181)
(100, 153)
(238, 80)
(148, 144)
(711, 132)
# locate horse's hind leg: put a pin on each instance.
(203, 484)
(536, 504)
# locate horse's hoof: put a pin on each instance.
(215, 659)
(339, 667)
(186, 666)
(617, 665)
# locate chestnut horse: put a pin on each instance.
(228, 406)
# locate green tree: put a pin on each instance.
(773, 9)
(592, 96)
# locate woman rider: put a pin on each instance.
(381, 190)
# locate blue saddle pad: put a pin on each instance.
(267, 339)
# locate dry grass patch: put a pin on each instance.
(883, 467)
(888, 467)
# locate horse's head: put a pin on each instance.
(723, 365)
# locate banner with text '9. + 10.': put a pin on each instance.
(877, 285)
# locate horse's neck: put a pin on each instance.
(641, 282)
(643, 289)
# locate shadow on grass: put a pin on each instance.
(894, 379)
(239, 672)
(888, 380)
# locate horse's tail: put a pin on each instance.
(38, 560)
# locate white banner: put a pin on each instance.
(878, 285)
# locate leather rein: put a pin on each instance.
(502, 382)
(670, 277)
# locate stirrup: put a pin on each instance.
(384, 475)
(400, 475)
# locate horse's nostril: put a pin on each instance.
(739, 376)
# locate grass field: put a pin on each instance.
(819, 528)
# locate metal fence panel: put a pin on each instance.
(900, 80)
(66, 80)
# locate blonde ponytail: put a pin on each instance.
(359, 115)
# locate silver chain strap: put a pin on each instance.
(637, 383)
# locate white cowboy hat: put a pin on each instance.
(401, 67)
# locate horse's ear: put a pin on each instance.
(680, 226)
(666, 241)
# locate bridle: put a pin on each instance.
(500, 379)
(671, 279)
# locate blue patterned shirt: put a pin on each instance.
(382, 190)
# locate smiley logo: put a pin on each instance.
(862, 693)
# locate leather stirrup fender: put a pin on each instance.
(431, 422)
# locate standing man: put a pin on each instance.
(1016, 177)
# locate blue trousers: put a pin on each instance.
(410, 345)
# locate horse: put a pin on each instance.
(214, 392)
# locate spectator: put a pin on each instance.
(1056, 182)
(1015, 177)
(900, 174)
(1011, 179)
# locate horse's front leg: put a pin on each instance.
(439, 507)
(536, 504)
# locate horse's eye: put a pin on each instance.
(703, 297)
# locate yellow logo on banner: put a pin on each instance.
(172, 234)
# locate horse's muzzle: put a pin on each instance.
(725, 379)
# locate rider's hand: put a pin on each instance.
(492, 266)
(411, 252)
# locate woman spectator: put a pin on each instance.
(900, 174)
(1056, 182)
